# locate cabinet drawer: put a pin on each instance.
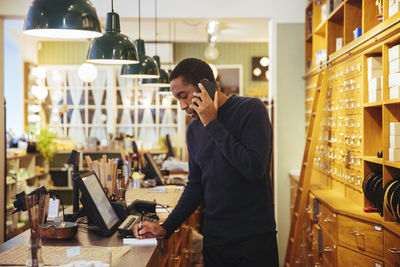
(328, 220)
(360, 236)
(392, 248)
(347, 257)
(329, 249)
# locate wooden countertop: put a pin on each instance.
(343, 206)
(138, 255)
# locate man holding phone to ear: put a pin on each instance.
(229, 144)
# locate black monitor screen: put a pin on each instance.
(97, 204)
(152, 169)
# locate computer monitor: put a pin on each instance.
(171, 152)
(96, 203)
(153, 171)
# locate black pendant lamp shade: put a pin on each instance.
(162, 81)
(62, 19)
(146, 68)
(112, 47)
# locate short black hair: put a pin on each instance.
(192, 71)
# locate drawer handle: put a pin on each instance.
(328, 249)
(328, 220)
(394, 250)
(356, 234)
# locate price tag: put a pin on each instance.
(53, 207)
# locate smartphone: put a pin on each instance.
(209, 86)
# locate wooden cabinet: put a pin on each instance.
(391, 249)
(360, 236)
(348, 257)
(328, 220)
(328, 249)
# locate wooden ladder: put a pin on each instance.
(313, 134)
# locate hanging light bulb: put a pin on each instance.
(87, 72)
(40, 92)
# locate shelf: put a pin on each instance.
(375, 104)
(373, 159)
(392, 101)
(60, 188)
(336, 11)
(321, 29)
(394, 164)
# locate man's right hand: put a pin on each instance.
(149, 230)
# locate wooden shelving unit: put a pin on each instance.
(357, 113)
(24, 173)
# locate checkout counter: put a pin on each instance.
(176, 251)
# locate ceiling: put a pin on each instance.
(240, 21)
(194, 30)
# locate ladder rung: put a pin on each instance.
(305, 164)
(314, 113)
(319, 89)
(296, 214)
(300, 189)
(292, 240)
(309, 138)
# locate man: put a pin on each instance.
(229, 147)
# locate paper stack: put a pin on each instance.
(394, 141)
(394, 72)
(375, 84)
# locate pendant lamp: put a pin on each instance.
(163, 80)
(113, 47)
(147, 66)
(62, 19)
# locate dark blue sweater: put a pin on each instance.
(229, 163)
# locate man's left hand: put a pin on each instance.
(205, 108)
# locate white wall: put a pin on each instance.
(13, 79)
(288, 87)
(2, 135)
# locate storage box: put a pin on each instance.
(374, 95)
(394, 79)
(394, 9)
(339, 43)
(357, 32)
(374, 63)
(394, 66)
(394, 52)
(376, 83)
(394, 92)
(394, 154)
(371, 73)
(394, 141)
(394, 128)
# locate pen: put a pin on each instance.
(140, 223)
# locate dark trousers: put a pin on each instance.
(253, 251)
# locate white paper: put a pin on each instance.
(53, 208)
(73, 252)
(140, 242)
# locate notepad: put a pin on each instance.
(140, 242)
